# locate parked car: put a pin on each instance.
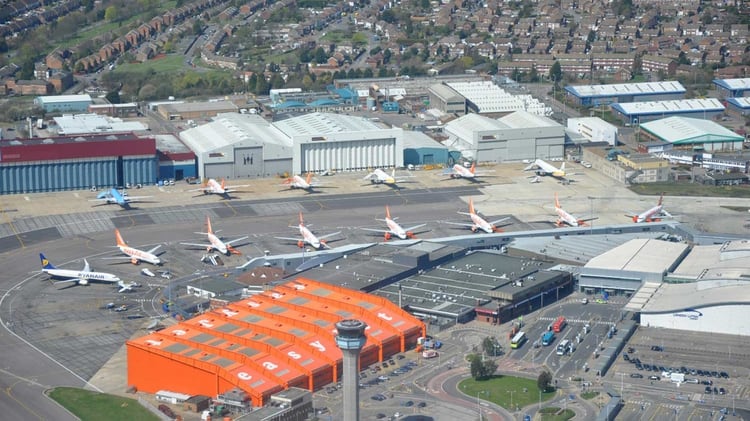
(636, 375)
(652, 377)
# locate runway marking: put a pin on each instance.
(8, 391)
(13, 227)
(234, 211)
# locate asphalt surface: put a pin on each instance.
(56, 337)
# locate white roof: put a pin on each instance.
(490, 98)
(324, 123)
(175, 395)
(95, 123)
(740, 83)
(686, 296)
(640, 255)
(717, 261)
(675, 129)
(741, 101)
(415, 139)
(465, 126)
(592, 122)
(54, 99)
(644, 88)
(524, 119)
(677, 105)
(233, 128)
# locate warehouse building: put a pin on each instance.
(275, 340)
(420, 149)
(514, 137)
(63, 103)
(739, 107)
(625, 268)
(195, 110)
(594, 129)
(732, 88)
(176, 161)
(595, 95)
(634, 113)
(71, 163)
(84, 124)
(692, 134)
(447, 100)
(486, 97)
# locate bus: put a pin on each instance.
(562, 348)
(518, 340)
(548, 338)
(559, 324)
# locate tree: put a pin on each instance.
(110, 14)
(113, 97)
(544, 380)
(481, 370)
(491, 346)
(555, 72)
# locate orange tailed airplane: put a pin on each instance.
(566, 218)
(308, 237)
(477, 222)
(216, 243)
(214, 187)
(133, 254)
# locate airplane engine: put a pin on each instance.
(473, 228)
(134, 261)
(540, 172)
(635, 218)
(409, 234)
(83, 282)
(387, 236)
(301, 244)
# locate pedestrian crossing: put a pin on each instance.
(576, 321)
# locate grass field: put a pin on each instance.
(169, 63)
(498, 390)
(93, 406)
(589, 395)
(690, 189)
(556, 414)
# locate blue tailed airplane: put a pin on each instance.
(113, 196)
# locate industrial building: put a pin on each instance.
(633, 113)
(83, 124)
(486, 97)
(595, 95)
(732, 88)
(739, 107)
(176, 161)
(594, 129)
(420, 149)
(625, 268)
(237, 145)
(195, 110)
(692, 134)
(80, 162)
(63, 103)
(447, 100)
(278, 339)
(514, 137)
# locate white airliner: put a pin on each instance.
(133, 254)
(394, 229)
(308, 237)
(654, 214)
(215, 243)
(459, 171)
(214, 187)
(81, 277)
(477, 222)
(544, 168)
(566, 218)
(379, 176)
(307, 183)
(127, 286)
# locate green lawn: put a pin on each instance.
(589, 395)
(556, 414)
(498, 390)
(93, 406)
(690, 189)
(169, 63)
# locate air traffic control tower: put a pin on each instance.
(350, 339)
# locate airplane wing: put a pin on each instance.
(667, 214)
(135, 198)
(204, 245)
(154, 249)
(65, 281)
(375, 230)
(461, 224)
(588, 219)
(229, 243)
(289, 238)
(499, 220)
(323, 237)
(414, 227)
(448, 171)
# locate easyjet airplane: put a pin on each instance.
(214, 187)
(394, 229)
(566, 218)
(308, 237)
(216, 243)
(477, 222)
(379, 176)
(654, 214)
(133, 254)
(543, 168)
(307, 183)
(459, 171)
(80, 277)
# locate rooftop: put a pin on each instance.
(54, 99)
(95, 123)
(683, 129)
(640, 255)
(672, 106)
(645, 88)
(696, 295)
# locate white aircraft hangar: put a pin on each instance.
(247, 146)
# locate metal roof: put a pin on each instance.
(679, 130)
(490, 98)
(234, 128)
(415, 140)
(730, 260)
(95, 123)
(740, 102)
(669, 107)
(640, 255)
(76, 147)
(626, 89)
(324, 123)
(733, 84)
(57, 99)
(526, 120)
(693, 296)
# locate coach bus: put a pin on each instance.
(518, 340)
(562, 348)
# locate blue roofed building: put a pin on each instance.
(732, 88)
(739, 106)
(420, 149)
(641, 112)
(595, 95)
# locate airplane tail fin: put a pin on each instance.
(393, 173)
(660, 199)
(387, 212)
(557, 202)
(471, 206)
(473, 167)
(46, 263)
(562, 167)
(208, 225)
(120, 241)
(309, 178)
(223, 184)
(301, 220)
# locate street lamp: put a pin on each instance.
(511, 399)
(479, 407)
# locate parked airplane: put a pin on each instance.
(308, 237)
(477, 222)
(459, 171)
(394, 229)
(127, 286)
(654, 214)
(216, 243)
(214, 187)
(81, 277)
(379, 176)
(546, 169)
(113, 196)
(535, 179)
(566, 218)
(133, 254)
(307, 183)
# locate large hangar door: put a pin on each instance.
(248, 162)
(219, 171)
